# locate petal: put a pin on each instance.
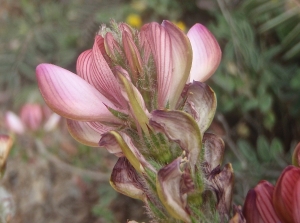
(122, 143)
(5, 147)
(181, 53)
(87, 133)
(174, 124)
(206, 53)
(14, 123)
(214, 148)
(134, 99)
(250, 210)
(201, 103)
(92, 66)
(296, 202)
(284, 192)
(224, 181)
(126, 180)
(264, 191)
(70, 96)
(169, 190)
(160, 43)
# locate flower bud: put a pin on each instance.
(32, 115)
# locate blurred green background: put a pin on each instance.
(257, 87)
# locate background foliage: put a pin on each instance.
(257, 85)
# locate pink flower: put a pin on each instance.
(269, 204)
(126, 75)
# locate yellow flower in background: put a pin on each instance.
(181, 25)
(134, 20)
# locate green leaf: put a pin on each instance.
(263, 149)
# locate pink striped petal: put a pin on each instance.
(181, 52)
(160, 43)
(296, 202)
(264, 192)
(206, 53)
(92, 66)
(144, 44)
(283, 194)
(70, 96)
(87, 133)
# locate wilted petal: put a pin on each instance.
(87, 133)
(32, 115)
(126, 180)
(238, 216)
(224, 182)
(5, 147)
(14, 123)
(70, 96)
(206, 53)
(179, 127)
(296, 156)
(121, 143)
(284, 192)
(169, 190)
(201, 103)
(214, 148)
(92, 66)
(160, 43)
(181, 52)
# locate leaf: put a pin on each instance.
(263, 149)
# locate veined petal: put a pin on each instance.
(144, 44)
(70, 96)
(201, 103)
(92, 66)
(174, 124)
(296, 202)
(206, 53)
(284, 192)
(160, 43)
(112, 47)
(181, 52)
(169, 190)
(126, 180)
(5, 147)
(14, 123)
(250, 210)
(87, 133)
(264, 191)
(214, 148)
